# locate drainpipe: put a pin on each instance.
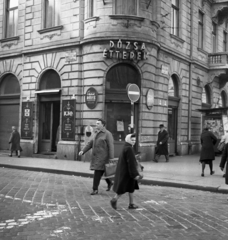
(190, 82)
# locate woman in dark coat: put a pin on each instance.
(126, 173)
(14, 142)
(224, 161)
(207, 155)
(162, 144)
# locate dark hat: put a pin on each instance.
(161, 125)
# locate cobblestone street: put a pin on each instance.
(36, 205)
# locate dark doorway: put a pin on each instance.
(172, 130)
(49, 122)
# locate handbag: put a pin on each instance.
(221, 146)
(110, 169)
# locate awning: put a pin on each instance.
(207, 110)
(48, 91)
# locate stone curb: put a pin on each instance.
(143, 181)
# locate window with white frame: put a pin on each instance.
(200, 30)
(175, 18)
(52, 13)
(11, 18)
(126, 7)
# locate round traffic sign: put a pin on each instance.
(133, 92)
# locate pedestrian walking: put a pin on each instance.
(162, 144)
(14, 142)
(126, 173)
(224, 162)
(224, 139)
(207, 154)
(102, 151)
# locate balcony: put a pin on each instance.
(218, 60)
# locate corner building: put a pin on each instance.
(63, 64)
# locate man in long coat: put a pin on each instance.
(207, 154)
(102, 151)
(14, 142)
(162, 144)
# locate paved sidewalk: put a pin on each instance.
(181, 171)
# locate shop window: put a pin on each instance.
(52, 13)
(200, 30)
(128, 7)
(173, 87)
(11, 18)
(175, 18)
(50, 80)
(9, 85)
(222, 99)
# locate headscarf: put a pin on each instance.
(128, 138)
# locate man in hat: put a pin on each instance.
(162, 144)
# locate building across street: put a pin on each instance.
(63, 64)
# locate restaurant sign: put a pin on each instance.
(126, 50)
(68, 120)
(27, 118)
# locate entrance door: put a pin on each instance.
(172, 130)
(49, 122)
(9, 116)
(118, 117)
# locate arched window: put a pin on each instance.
(120, 75)
(9, 85)
(173, 87)
(222, 99)
(50, 80)
(206, 96)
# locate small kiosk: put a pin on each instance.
(217, 119)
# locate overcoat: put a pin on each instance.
(102, 149)
(126, 171)
(224, 161)
(14, 141)
(162, 149)
(208, 140)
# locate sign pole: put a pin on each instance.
(132, 117)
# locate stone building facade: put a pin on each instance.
(63, 64)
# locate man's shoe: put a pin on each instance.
(212, 172)
(109, 186)
(94, 192)
(132, 206)
(19, 156)
(113, 203)
(155, 160)
(202, 174)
